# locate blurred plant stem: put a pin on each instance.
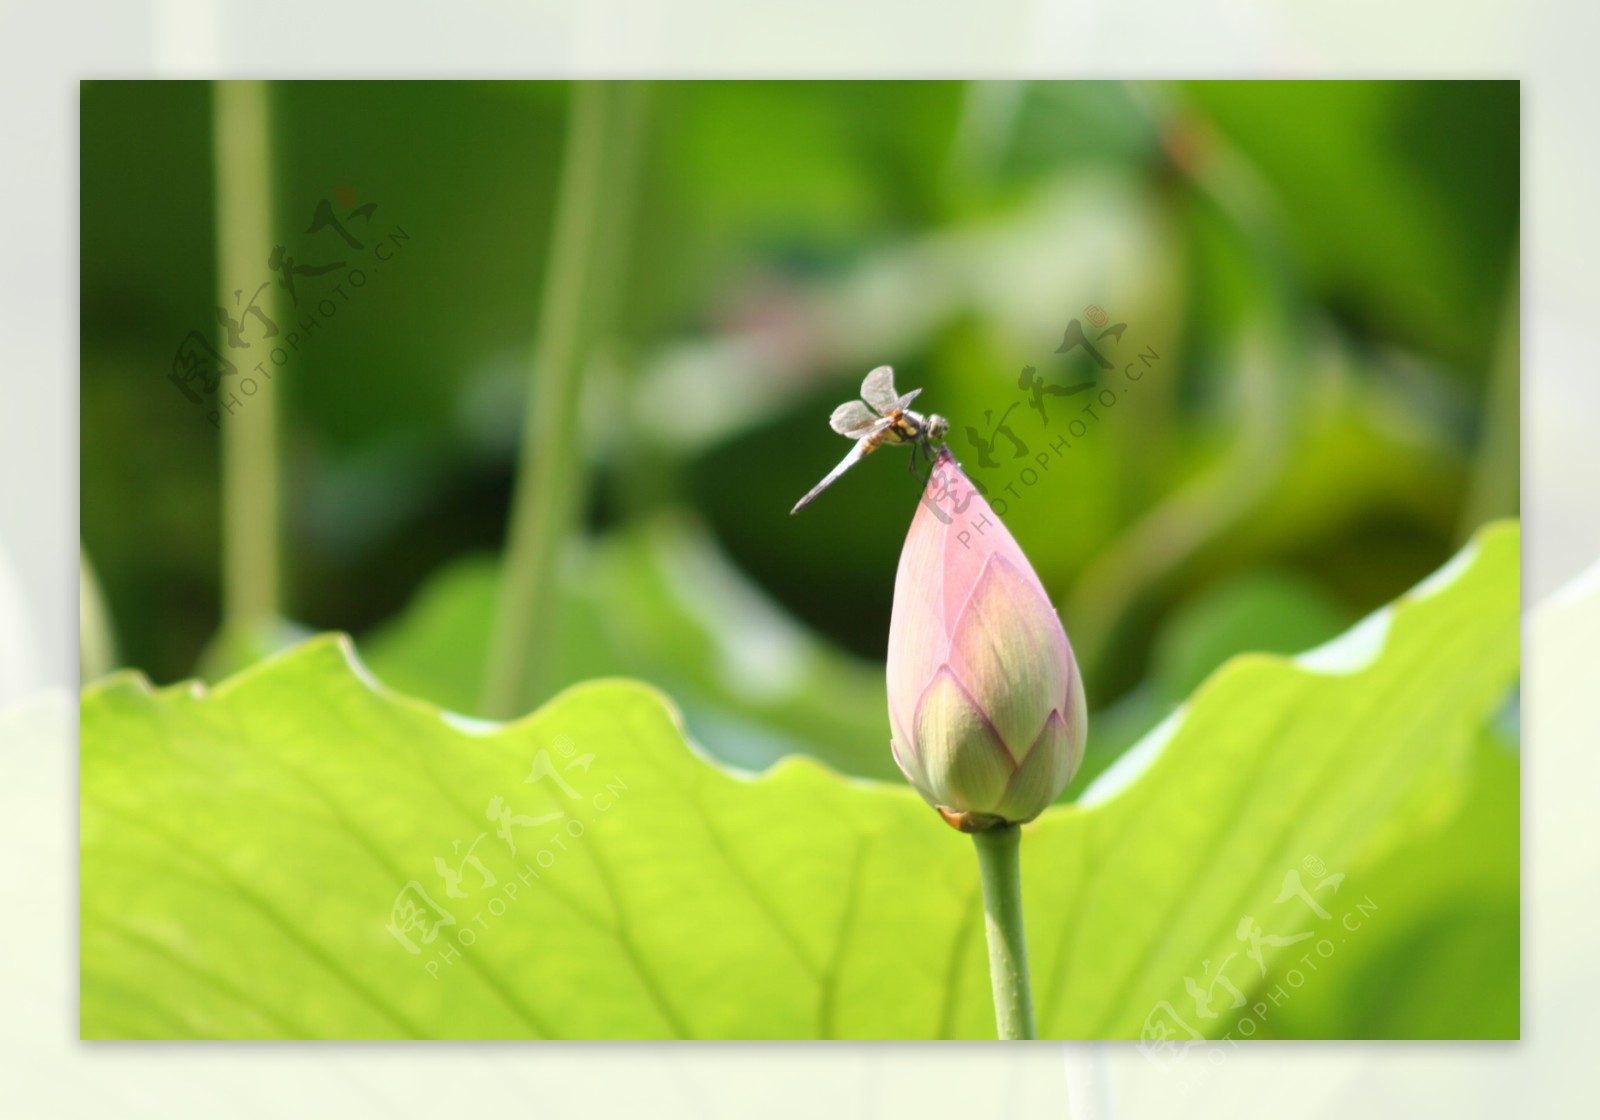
(1496, 470)
(597, 169)
(624, 154)
(97, 649)
(241, 148)
(999, 864)
(984, 134)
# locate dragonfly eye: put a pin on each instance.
(938, 426)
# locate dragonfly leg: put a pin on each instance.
(912, 464)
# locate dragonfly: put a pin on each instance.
(879, 417)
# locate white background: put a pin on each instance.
(45, 50)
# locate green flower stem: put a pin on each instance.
(1000, 866)
(241, 142)
(97, 647)
(550, 467)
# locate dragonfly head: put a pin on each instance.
(938, 427)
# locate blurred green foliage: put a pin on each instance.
(1325, 269)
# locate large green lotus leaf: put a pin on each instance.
(300, 853)
(1263, 611)
(1446, 926)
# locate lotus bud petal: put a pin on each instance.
(986, 706)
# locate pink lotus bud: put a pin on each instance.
(985, 700)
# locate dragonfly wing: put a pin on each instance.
(852, 418)
(878, 390)
(907, 399)
(855, 455)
